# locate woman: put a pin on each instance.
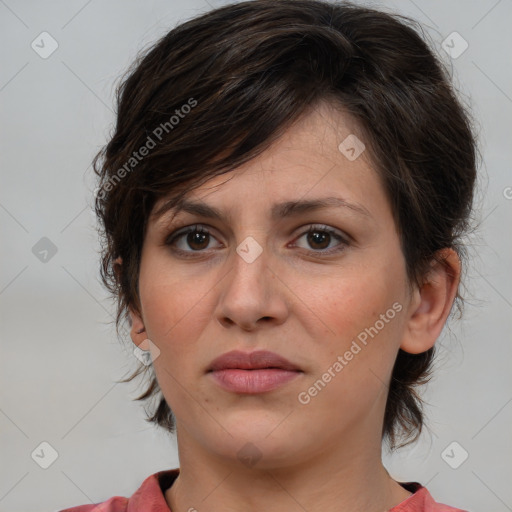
(282, 204)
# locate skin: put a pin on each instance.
(324, 455)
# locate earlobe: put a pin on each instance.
(432, 303)
(138, 329)
(116, 266)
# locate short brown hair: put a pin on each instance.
(246, 72)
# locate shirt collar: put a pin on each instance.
(150, 496)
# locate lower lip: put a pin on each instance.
(253, 381)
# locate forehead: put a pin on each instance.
(307, 162)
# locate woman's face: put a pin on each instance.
(333, 302)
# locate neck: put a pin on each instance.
(341, 480)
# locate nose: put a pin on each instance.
(251, 294)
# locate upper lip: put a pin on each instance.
(237, 359)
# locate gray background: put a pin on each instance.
(60, 358)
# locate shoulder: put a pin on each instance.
(421, 501)
(149, 497)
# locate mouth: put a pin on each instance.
(255, 372)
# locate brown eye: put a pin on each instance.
(319, 239)
(192, 239)
(196, 239)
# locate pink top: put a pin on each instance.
(150, 498)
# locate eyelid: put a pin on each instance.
(325, 227)
(197, 227)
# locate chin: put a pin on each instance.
(256, 443)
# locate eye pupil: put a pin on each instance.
(196, 237)
(317, 237)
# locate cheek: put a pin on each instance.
(353, 363)
(175, 312)
(354, 300)
(175, 309)
(363, 313)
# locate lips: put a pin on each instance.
(251, 373)
(251, 361)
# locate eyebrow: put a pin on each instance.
(278, 211)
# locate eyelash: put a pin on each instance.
(173, 237)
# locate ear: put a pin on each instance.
(137, 328)
(432, 302)
(117, 264)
